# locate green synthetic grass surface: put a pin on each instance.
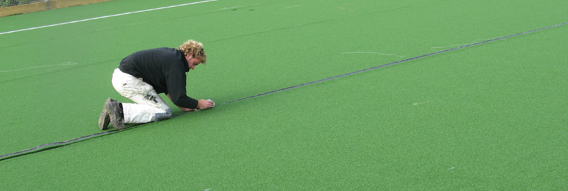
(487, 117)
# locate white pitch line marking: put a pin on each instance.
(70, 63)
(102, 17)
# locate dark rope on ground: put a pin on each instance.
(68, 142)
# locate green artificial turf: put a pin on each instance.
(487, 117)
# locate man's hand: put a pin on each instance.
(205, 104)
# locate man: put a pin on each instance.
(144, 74)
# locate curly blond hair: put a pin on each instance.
(195, 49)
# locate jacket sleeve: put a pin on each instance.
(176, 82)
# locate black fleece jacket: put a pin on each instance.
(163, 68)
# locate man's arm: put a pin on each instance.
(201, 104)
(183, 108)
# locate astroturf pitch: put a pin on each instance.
(485, 117)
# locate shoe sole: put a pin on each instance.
(104, 118)
(115, 118)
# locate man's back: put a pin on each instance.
(156, 67)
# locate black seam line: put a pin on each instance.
(61, 70)
(397, 62)
(64, 143)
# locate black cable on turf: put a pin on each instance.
(64, 143)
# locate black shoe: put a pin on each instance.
(104, 119)
(115, 113)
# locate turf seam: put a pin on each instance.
(397, 62)
(61, 70)
(68, 142)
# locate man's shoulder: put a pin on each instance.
(164, 54)
(162, 50)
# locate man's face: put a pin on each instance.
(193, 62)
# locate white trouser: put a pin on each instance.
(149, 105)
